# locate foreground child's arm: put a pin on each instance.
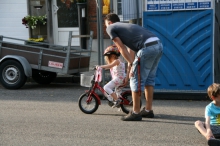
(209, 131)
(108, 66)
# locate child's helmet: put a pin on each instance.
(111, 50)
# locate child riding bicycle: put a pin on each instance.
(117, 70)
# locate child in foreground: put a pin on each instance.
(117, 70)
(211, 128)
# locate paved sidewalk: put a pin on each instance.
(40, 115)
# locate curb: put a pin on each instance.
(62, 79)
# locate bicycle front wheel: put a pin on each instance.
(128, 107)
(88, 105)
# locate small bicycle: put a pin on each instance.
(89, 101)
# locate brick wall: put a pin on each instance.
(92, 19)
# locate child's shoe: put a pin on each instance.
(117, 103)
(214, 142)
(110, 103)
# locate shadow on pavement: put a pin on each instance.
(175, 117)
(50, 86)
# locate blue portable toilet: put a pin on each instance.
(189, 31)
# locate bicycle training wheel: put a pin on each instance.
(88, 105)
(128, 107)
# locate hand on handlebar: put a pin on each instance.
(98, 67)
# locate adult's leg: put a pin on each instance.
(154, 56)
(149, 91)
(136, 102)
(135, 114)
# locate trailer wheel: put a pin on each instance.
(43, 77)
(12, 74)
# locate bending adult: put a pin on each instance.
(141, 47)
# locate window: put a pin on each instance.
(119, 7)
(127, 9)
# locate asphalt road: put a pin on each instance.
(39, 115)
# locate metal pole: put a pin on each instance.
(82, 23)
(111, 11)
(49, 22)
(111, 6)
(101, 30)
(101, 37)
(67, 61)
(98, 34)
(137, 8)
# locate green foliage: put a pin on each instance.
(32, 21)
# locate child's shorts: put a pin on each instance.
(215, 129)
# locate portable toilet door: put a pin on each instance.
(185, 28)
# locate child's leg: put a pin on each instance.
(215, 130)
(200, 126)
(118, 101)
(108, 88)
(114, 96)
(118, 91)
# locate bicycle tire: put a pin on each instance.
(86, 109)
(127, 108)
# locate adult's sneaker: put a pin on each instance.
(132, 117)
(146, 114)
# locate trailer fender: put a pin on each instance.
(22, 60)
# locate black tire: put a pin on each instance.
(126, 108)
(85, 107)
(43, 77)
(12, 74)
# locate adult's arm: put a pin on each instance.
(127, 56)
(123, 50)
(132, 53)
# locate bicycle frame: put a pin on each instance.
(90, 100)
(91, 91)
(95, 85)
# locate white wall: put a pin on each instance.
(11, 14)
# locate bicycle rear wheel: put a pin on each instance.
(128, 107)
(88, 105)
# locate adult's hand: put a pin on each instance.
(125, 82)
(131, 74)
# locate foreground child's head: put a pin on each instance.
(111, 53)
(213, 91)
